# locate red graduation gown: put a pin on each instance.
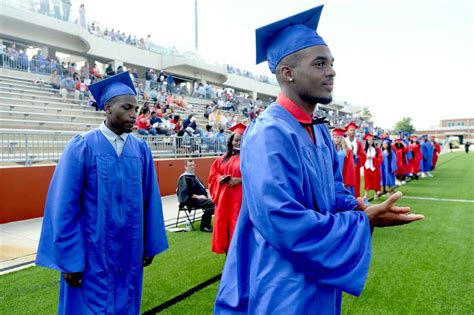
(227, 201)
(373, 178)
(348, 170)
(417, 156)
(437, 151)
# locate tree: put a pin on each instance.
(404, 125)
(366, 114)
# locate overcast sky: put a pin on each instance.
(397, 57)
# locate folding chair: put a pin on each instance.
(187, 211)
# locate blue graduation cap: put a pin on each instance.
(120, 84)
(387, 140)
(282, 38)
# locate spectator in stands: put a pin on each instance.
(153, 95)
(192, 193)
(82, 88)
(147, 42)
(119, 69)
(66, 9)
(225, 188)
(84, 71)
(135, 73)
(100, 239)
(170, 83)
(54, 79)
(22, 61)
(221, 140)
(109, 70)
(143, 123)
(68, 88)
(57, 9)
(176, 122)
(44, 7)
(207, 111)
(82, 16)
(94, 71)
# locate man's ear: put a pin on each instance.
(107, 108)
(286, 73)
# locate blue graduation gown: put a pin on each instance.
(388, 169)
(427, 162)
(297, 241)
(103, 214)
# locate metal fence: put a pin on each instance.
(30, 147)
(21, 63)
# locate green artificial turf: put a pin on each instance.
(423, 268)
(187, 263)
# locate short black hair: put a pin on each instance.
(290, 61)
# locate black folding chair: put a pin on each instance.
(187, 211)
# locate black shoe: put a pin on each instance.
(206, 229)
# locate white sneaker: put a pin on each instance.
(423, 175)
(429, 174)
(404, 182)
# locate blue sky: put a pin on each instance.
(399, 58)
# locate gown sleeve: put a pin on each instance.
(332, 249)
(155, 240)
(214, 175)
(61, 245)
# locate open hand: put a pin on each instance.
(387, 214)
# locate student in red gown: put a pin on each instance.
(401, 151)
(437, 151)
(358, 151)
(417, 156)
(226, 191)
(373, 160)
(346, 159)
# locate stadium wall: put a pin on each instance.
(23, 189)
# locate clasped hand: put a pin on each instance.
(387, 214)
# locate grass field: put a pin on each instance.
(423, 268)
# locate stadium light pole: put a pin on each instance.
(196, 25)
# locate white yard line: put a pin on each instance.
(437, 199)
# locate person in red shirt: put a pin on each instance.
(358, 152)
(143, 123)
(226, 191)
(346, 159)
(436, 152)
(373, 159)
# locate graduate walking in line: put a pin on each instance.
(103, 219)
(417, 156)
(358, 152)
(436, 151)
(225, 186)
(301, 237)
(389, 166)
(401, 151)
(427, 163)
(373, 160)
(346, 159)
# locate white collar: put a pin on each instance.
(110, 135)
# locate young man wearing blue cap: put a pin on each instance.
(301, 237)
(103, 219)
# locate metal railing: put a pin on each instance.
(21, 63)
(29, 147)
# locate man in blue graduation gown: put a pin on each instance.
(428, 150)
(103, 219)
(301, 237)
